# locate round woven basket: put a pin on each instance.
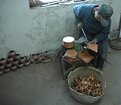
(83, 98)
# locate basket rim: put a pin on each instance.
(71, 89)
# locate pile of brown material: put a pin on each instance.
(85, 56)
(38, 58)
(87, 84)
(71, 53)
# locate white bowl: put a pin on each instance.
(68, 39)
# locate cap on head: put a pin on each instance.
(105, 12)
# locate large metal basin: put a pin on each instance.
(83, 98)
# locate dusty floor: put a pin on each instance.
(42, 84)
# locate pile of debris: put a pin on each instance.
(88, 85)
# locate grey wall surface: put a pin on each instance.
(34, 30)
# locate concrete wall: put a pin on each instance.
(34, 30)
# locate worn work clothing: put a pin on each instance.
(93, 28)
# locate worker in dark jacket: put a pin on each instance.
(96, 23)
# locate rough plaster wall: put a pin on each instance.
(116, 4)
(15, 23)
(34, 30)
(51, 25)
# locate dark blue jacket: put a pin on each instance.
(85, 14)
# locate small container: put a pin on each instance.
(10, 59)
(15, 62)
(20, 65)
(31, 60)
(6, 70)
(17, 57)
(2, 67)
(14, 68)
(27, 63)
(68, 42)
(2, 61)
(11, 53)
(22, 60)
(8, 65)
(35, 56)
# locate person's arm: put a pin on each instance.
(103, 34)
(78, 11)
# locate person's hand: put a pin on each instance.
(94, 41)
(80, 25)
